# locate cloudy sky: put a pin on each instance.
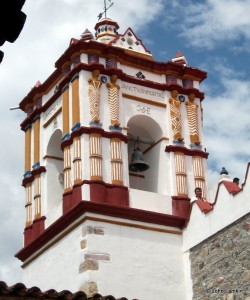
(213, 35)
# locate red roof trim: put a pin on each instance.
(103, 209)
(186, 151)
(20, 291)
(106, 21)
(231, 187)
(91, 67)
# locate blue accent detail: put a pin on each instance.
(27, 174)
(36, 165)
(115, 128)
(95, 124)
(66, 136)
(104, 79)
(194, 146)
(74, 78)
(182, 98)
(65, 88)
(178, 142)
(76, 126)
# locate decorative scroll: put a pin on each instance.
(193, 119)
(175, 116)
(181, 176)
(113, 94)
(94, 96)
(116, 161)
(67, 169)
(95, 156)
(77, 160)
(199, 174)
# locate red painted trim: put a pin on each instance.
(33, 231)
(232, 187)
(103, 209)
(90, 67)
(72, 198)
(40, 89)
(106, 22)
(181, 206)
(186, 151)
(88, 130)
(121, 55)
(204, 206)
(34, 172)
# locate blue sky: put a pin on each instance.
(213, 35)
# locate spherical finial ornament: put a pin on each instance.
(224, 171)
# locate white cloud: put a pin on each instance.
(226, 123)
(210, 23)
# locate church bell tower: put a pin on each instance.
(113, 151)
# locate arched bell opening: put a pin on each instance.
(54, 173)
(143, 153)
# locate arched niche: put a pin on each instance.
(149, 133)
(54, 167)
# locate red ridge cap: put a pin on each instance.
(204, 206)
(231, 187)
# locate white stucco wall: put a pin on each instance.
(143, 263)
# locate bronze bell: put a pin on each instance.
(137, 162)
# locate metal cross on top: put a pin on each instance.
(105, 9)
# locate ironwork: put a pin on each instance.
(111, 3)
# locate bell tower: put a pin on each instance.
(113, 151)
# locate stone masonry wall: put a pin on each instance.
(220, 265)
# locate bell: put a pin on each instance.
(137, 162)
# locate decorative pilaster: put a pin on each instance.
(77, 160)
(95, 156)
(65, 110)
(94, 96)
(67, 169)
(193, 119)
(37, 196)
(28, 149)
(116, 161)
(113, 95)
(199, 174)
(181, 176)
(37, 141)
(28, 204)
(75, 101)
(175, 116)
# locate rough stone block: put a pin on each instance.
(89, 288)
(97, 256)
(83, 244)
(84, 230)
(88, 265)
(98, 230)
(245, 277)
